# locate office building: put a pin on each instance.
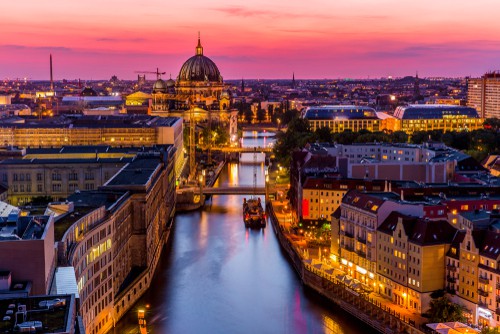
(484, 94)
(428, 117)
(116, 244)
(341, 118)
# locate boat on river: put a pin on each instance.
(253, 213)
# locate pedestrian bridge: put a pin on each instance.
(236, 190)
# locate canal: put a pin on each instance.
(215, 276)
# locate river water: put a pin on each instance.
(216, 276)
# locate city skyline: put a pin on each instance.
(258, 40)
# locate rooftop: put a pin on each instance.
(64, 161)
(94, 199)
(137, 172)
(18, 227)
(434, 111)
(121, 121)
(340, 113)
(51, 314)
(420, 231)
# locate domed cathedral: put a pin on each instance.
(199, 85)
(200, 79)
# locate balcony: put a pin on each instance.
(498, 299)
(483, 279)
(482, 292)
(361, 239)
(348, 234)
(497, 311)
(361, 253)
(498, 285)
(451, 279)
(451, 290)
(451, 268)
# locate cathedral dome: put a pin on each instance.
(199, 68)
(170, 83)
(159, 86)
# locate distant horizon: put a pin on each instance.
(258, 39)
(248, 79)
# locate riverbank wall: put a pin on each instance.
(373, 313)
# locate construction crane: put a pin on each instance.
(158, 73)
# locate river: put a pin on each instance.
(215, 276)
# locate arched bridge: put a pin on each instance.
(238, 190)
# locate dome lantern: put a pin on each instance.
(199, 48)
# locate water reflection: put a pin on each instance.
(216, 276)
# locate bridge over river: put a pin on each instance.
(234, 190)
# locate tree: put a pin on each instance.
(296, 136)
(270, 111)
(399, 137)
(289, 115)
(346, 137)
(323, 134)
(248, 116)
(443, 310)
(418, 137)
(261, 115)
(492, 123)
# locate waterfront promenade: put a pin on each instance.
(320, 274)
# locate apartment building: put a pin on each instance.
(361, 214)
(411, 259)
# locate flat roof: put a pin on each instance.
(121, 121)
(53, 319)
(64, 161)
(137, 172)
(95, 198)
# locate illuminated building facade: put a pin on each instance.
(410, 257)
(437, 117)
(56, 178)
(360, 216)
(115, 131)
(116, 246)
(484, 95)
(138, 103)
(472, 267)
(341, 118)
(406, 118)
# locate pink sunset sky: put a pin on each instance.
(251, 39)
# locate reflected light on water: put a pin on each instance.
(298, 318)
(203, 234)
(331, 326)
(233, 174)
